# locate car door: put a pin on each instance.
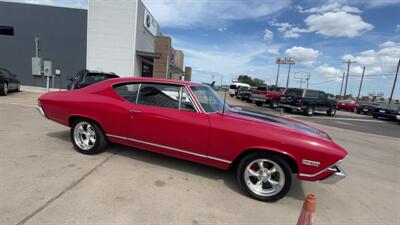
(323, 102)
(164, 117)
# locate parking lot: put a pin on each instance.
(44, 181)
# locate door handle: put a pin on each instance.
(134, 111)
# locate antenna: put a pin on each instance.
(223, 107)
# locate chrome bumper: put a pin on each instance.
(40, 110)
(336, 177)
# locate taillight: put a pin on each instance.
(300, 101)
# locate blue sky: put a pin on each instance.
(228, 38)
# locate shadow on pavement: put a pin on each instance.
(228, 177)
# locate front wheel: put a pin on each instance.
(232, 95)
(331, 111)
(4, 89)
(264, 177)
(87, 137)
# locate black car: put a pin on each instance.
(87, 77)
(8, 82)
(307, 101)
(389, 111)
(366, 108)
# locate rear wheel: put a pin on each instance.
(258, 103)
(264, 177)
(249, 100)
(87, 137)
(309, 111)
(375, 116)
(232, 95)
(288, 110)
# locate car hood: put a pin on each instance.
(279, 120)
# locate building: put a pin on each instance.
(123, 38)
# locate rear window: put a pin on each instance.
(232, 86)
(96, 77)
(311, 94)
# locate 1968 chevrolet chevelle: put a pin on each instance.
(189, 121)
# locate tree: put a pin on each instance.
(252, 82)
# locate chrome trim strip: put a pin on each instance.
(191, 98)
(170, 148)
(316, 174)
(41, 111)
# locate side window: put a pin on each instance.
(128, 91)
(322, 96)
(311, 94)
(161, 95)
(185, 103)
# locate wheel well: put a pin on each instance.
(292, 163)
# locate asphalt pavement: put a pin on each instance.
(44, 181)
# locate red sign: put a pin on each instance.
(284, 61)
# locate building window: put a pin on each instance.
(4, 30)
(147, 70)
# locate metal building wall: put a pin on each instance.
(62, 33)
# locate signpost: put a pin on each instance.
(288, 61)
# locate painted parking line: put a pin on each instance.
(19, 104)
(344, 119)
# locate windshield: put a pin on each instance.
(208, 99)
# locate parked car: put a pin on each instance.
(347, 105)
(366, 108)
(233, 88)
(88, 77)
(8, 82)
(389, 111)
(190, 121)
(266, 95)
(307, 101)
(244, 93)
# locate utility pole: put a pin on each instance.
(341, 87)
(288, 76)
(347, 77)
(394, 83)
(361, 82)
(277, 75)
(307, 79)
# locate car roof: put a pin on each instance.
(149, 79)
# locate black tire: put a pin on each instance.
(358, 112)
(273, 104)
(249, 101)
(4, 89)
(98, 145)
(288, 110)
(283, 165)
(258, 103)
(375, 116)
(232, 95)
(309, 111)
(331, 111)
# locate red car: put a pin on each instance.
(347, 105)
(267, 95)
(189, 121)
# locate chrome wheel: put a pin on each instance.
(264, 177)
(5, 88)
(84, 135)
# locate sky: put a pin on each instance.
(222, 39)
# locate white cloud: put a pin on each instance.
(268, 35)
(222, 29)
(382, 60)
(273, 51)
(337, 24)
(330, 7)
(306, 56)
(288, 30)
(327, 70)
(397, 29)
(184, 13)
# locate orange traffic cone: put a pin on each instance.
(307, 215)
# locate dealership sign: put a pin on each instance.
(149, 23)
(284, 61)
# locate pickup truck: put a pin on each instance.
(267, 95)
